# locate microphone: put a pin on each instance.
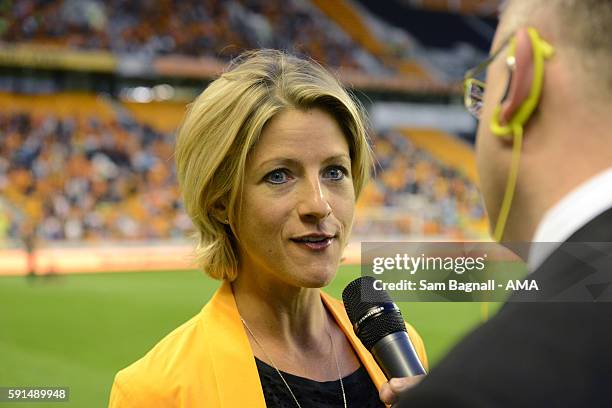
(379, 324)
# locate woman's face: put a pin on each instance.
(298, 200)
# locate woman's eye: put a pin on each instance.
(278, 176)
(335, 173)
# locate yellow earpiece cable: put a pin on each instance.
(502, 218)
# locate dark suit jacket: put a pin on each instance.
(536, 354)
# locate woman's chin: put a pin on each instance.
(317, 278)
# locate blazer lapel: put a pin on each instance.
(234, 368)
(337, 310)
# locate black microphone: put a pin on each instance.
(379, 325)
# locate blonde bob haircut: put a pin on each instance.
(224, 123)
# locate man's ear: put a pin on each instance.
(521, 77)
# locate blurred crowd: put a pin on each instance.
(83, 178)
(415, 194)
(190, 27)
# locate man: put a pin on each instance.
(548, 100)
(28, 236)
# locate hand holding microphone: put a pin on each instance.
(391, 390)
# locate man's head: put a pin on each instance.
(567, 136)
(580, 29)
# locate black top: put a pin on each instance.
(358, 387)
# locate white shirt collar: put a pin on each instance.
(569, 214)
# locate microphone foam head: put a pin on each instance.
(360, 295)
(360, 298)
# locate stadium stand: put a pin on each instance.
(428, 24)
(480, 7)
(351, 22)
(419, 22)
(349, 18)
(162, 116)
(417, 194)
(188, 27)
(63, 105)
(90, 177)
(449, 149)
(86, 176)
(195, 39)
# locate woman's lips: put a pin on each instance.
(318, 245)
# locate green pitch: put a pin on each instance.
(79, 330)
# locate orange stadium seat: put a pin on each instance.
(161, 116)
(63, 105)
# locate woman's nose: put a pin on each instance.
(313, 202)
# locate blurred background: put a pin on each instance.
(95, 262)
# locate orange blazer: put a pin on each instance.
(208, 362)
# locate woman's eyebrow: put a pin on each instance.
(288, 161)
(338, 157)
(278, 161)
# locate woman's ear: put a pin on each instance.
(219, 211)
(521, 77)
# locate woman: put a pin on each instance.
(270, 159)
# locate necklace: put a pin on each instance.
(281, 374)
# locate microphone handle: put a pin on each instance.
(396, 356)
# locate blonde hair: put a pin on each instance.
(224, 123)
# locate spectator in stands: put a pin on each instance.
(270, 158)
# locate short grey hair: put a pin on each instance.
(582, 27)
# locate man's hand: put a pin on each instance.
(391, 389)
